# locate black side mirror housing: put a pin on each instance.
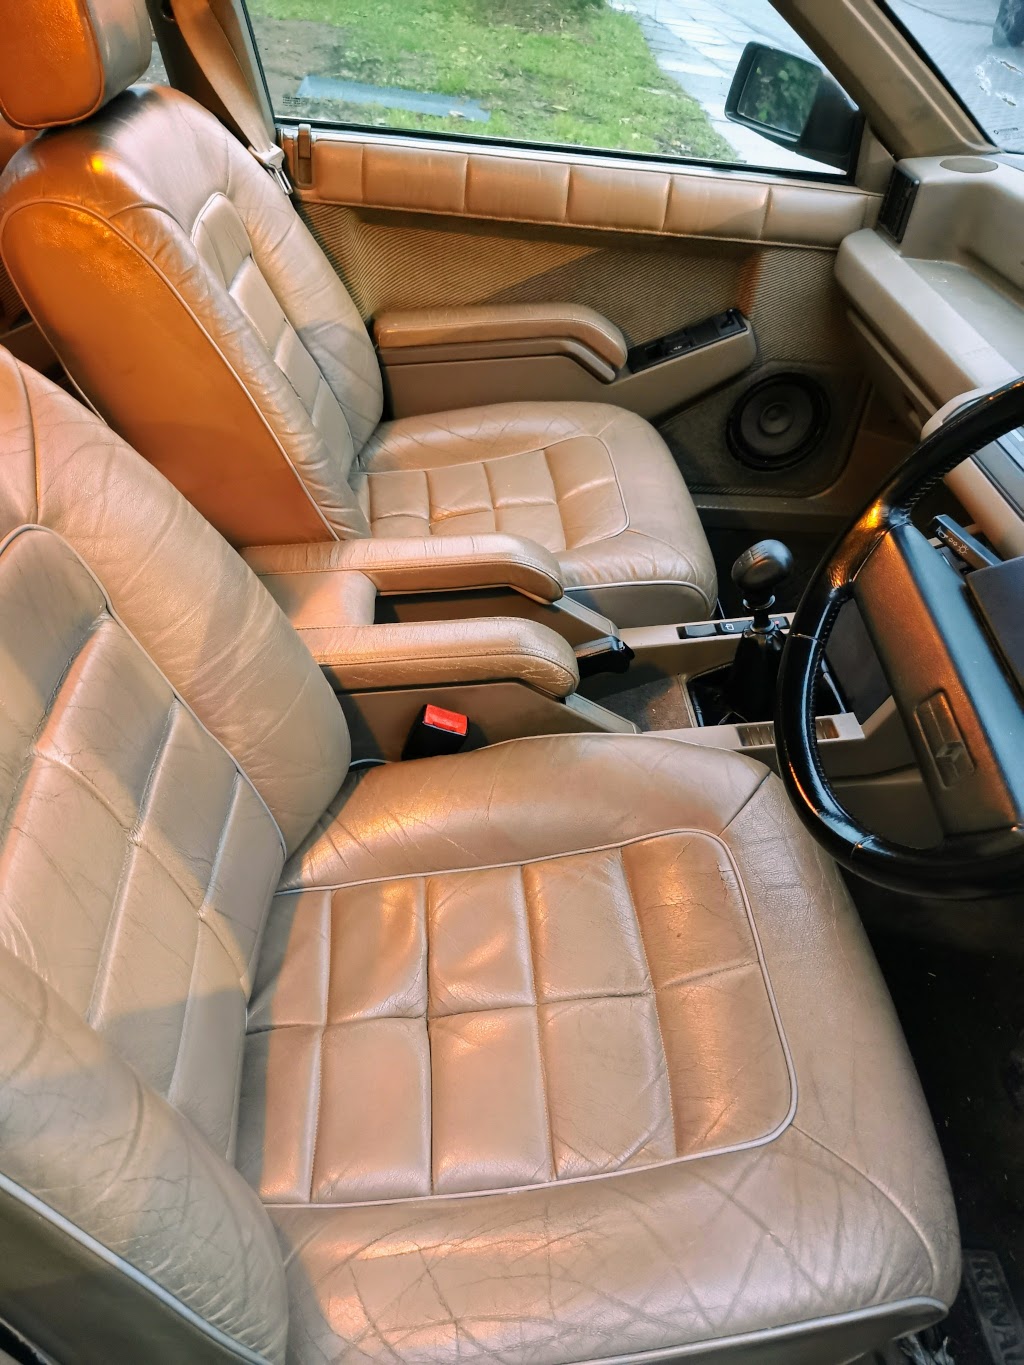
(795, 104)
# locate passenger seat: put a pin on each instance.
(193, 308)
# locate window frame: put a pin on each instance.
(566, 150)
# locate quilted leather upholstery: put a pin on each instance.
(461, 1213)
(566, 1049)
(169, 818)
(549, 987)
(591, 483)
(190, 303)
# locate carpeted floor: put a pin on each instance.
(658, 705)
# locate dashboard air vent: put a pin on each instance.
(898, 202)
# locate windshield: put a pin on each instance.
(978, 46)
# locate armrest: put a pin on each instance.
(431, 653)
(437, 564)
(407, 327)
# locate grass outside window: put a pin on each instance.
(561, 71)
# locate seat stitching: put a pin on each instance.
(526, 862)
(131, 847)
(655, 996)
(427, 892)
(320, 1056)
(202, 923)
(18, 785)
(536, 1019)
(485, 466)
(581, 999)
(555, 499)
(236, 780)
(585, 997)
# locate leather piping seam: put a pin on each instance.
(113, 227)
(145, 1282)
(768, 1335)
(48, 530)
(762, 1141)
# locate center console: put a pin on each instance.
(484, 629)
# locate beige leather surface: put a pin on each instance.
(569, 1048)
(406, 327)
(440, 563)
(189, 302)
(946, 301)
(61, 60)
(435, 653)
(549, 187)
(191, 305)
(592, 484)
(329, 593)
(193, 606)
(601, 1154)
(139, 859)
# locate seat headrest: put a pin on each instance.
(61, 60)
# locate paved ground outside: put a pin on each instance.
(957, 35)
(698, 43)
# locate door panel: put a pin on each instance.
(412, 225)
(522, 185)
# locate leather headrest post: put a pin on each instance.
(62, 60)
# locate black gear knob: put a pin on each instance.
(760, 570)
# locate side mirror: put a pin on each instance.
(795, 104)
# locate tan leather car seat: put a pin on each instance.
(564, 1050)
(191, 305)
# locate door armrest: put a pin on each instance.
(435, 564)
(509, 325)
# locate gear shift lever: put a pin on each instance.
(759, 571)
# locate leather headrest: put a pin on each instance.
(61, 60)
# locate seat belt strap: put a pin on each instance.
(217, 59)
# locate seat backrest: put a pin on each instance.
(178, 285)
(165, 741)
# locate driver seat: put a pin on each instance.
(568, 1049)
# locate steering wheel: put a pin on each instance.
(962, 712)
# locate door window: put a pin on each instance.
(635, 76)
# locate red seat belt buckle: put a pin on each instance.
(436, 731)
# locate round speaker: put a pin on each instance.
(778, 422)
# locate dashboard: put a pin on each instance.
(935, 295)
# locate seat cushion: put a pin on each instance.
(592, 483)
(575, 1045)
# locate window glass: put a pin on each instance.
(641, 76)
(978, 46)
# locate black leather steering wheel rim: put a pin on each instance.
(975, 864)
